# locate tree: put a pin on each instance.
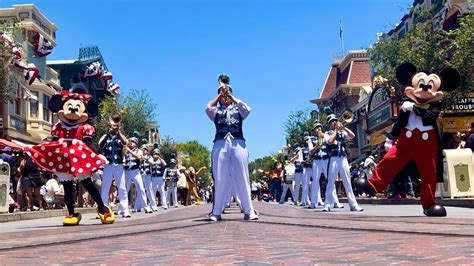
(260, 165)
(136, 109)
(194, 154)
(429, 48)
(7, 27)
(300, 122)
(168, 148)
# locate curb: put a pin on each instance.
(19, 216)
(463, 203)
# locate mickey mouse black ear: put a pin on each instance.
(405, 72)
(450, 79)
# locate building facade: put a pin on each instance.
(25, 118)
(346, 88)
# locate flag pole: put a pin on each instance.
(341, 35)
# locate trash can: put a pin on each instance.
(4, 186)
(458, 173)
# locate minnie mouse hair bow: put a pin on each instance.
(67, 95)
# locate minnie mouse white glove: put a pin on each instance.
(388, 144)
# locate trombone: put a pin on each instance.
(345, 118)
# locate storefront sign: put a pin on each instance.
(457, 124)
(377, 137)
(463, 105)
(379, 117)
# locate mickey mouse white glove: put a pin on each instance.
(388, 144)
(407, 106)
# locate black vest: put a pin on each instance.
(113, 149)
(156, 169)
(228, 121)
(298, 167)
(339, 149)
(321, 153)
(131, 163)
(171, 174)
(305, 152)
(145, 166)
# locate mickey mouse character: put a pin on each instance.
(415, 135)
(69, 155)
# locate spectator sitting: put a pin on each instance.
(54, 195)
(458, 142)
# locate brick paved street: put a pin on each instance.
(284, 234)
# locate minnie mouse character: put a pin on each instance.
(415, 135)
(70, 154)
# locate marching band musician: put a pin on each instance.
(307, 171)
(298, 161)
(157, 170)
(336, 139)
(145, 171)
(229, 154)
(171, 180)
(318, 151)
(112, 145)
(133, 155)
(289, 178)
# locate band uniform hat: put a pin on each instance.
(173, 161)
(134, 139)
(145, 147)
(317, 124)
(331, 118)
(156, 151)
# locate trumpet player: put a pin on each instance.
(133, 155)
(112, 146)
(307, 170)
(336, 139)
(319, 152)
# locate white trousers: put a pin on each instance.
(230, 170)
(236, 197)
(298, 183)
(285, 190)
(136, 177)
(320, 167)
(172, 192)
(148, 185)
(116, 172)
(159, 183)
(307, 172)
(339, 165)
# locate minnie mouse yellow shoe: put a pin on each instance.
(72, 219)
(107, 217)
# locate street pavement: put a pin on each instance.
(284, 234)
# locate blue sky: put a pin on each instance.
(277, 53)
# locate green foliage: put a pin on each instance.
(300, 122)
(168, 148)
(9, 27)
(194, 154)
(136, 108)
(430, 49)
(258, 166)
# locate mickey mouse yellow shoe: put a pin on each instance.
(107, 217)
(72, 219)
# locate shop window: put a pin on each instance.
(46, 112)
(34, 104)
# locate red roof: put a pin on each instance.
(5, 143)
(331, 83)
(361, 72)
(354, 72)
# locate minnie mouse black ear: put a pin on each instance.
(405, 72)
(92, 108)
(450, 79)
(55, 103)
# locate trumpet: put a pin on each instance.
(345, 118)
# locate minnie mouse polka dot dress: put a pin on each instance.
(68, 155)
